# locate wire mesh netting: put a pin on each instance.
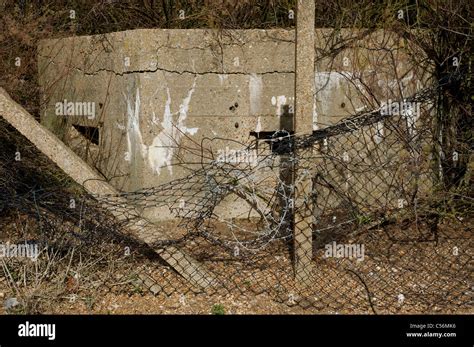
(367, 185)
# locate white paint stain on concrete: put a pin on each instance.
(135, 146)
(154, 118)
(315, 115)
(255, 92)
(327, 84)
(164, 145)
(160, 153)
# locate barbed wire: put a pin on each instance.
(374, 248)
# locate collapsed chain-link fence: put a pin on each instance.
(377, 245)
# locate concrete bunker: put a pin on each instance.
(156, 92)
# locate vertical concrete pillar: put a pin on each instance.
(304, 93)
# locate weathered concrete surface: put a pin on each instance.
(156, 89)
(83, 174)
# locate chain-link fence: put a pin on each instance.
(368, 185)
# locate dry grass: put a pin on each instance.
(104, 281)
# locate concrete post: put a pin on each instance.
(83, 174)
(304, 94)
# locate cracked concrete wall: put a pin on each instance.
(155, 90)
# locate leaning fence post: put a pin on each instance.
(304, 100)
(86, 176)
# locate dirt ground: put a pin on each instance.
(397, 275)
